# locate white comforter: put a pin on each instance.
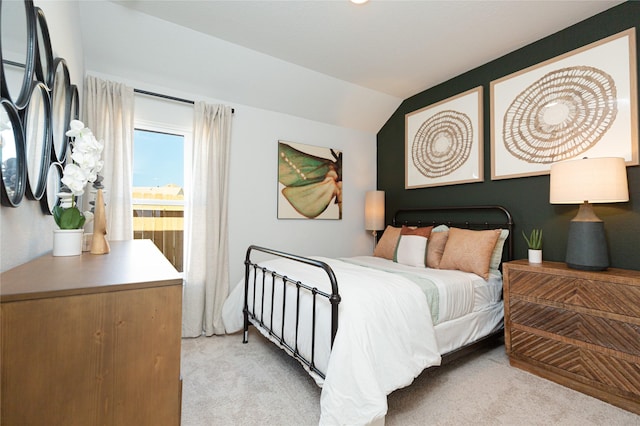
(384, 340)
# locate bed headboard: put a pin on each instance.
(468, 217)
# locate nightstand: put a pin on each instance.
(580, 329)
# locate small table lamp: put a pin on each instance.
(374, 212)
(586, 181)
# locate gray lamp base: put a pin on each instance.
(587, 246)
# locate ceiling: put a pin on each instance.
(394, 47)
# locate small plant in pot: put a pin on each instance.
(534, 242)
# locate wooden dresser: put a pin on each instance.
(92, 339)
(580, 329)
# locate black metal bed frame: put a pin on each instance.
(508, 223)
(249, 310)
(333, 298)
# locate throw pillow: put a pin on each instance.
(470, 251)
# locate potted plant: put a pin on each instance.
(83, 168)
(534, 242)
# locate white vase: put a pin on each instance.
(67, 242)
(535, 256)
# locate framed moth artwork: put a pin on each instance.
(444, 143)
(580, 104)
(309, 182)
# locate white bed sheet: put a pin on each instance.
(467, 329)
(384, 320)
(454, 286)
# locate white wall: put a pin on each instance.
(254, 187)
(150, 54)
(25, 232)
(254, 178)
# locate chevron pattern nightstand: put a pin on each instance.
(578, 328)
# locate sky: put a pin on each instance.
(158, 159)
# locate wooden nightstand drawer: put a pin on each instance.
(578, 328)
(603, 296)
(579, 325)
(590, 367)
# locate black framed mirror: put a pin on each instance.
(37, 132)
(50, 198)
(75, 103)
(12, 156)
(44, 51)
(17, 50)
(60, 108)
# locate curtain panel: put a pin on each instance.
(206, 233)
(108, 112)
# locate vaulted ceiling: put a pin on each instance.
(387, 50)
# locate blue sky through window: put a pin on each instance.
(158, 159)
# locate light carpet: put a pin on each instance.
(229, 383)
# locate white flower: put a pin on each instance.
(85, 153)
(87, 161)
(88, 144)
(76, 129)
(75, 178)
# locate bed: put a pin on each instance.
(367, 325)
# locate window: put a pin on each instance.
(158, 191)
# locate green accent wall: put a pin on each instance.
(526, 197)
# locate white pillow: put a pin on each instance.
(411, 250)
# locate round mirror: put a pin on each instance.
(50, 198)
(12, 159)
(17, 50)
(75, 103)
(37, 132)
(74, 110)
(60, 108)
(44, 55)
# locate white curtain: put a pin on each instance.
(206, 234)
(108, 112)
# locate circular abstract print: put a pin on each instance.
(442, 144)
(561, 115)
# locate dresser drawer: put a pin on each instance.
(578, 328)
(603, 296)
(606, 332)
(594, 368)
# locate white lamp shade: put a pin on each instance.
(595, 180)
(374, 210)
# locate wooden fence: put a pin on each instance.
(164, 225)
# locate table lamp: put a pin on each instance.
(586, 181)
(374, 212)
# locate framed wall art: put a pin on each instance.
(580, 104)
(443, 142)
(309, 182)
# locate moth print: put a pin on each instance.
(311, 183)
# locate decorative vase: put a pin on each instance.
(535, 256)
(99, 243)
(67, 242)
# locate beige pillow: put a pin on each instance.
(386, 247)
(435, 248)
(469, 251)
(496, 255)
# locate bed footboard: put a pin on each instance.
(254, 309)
